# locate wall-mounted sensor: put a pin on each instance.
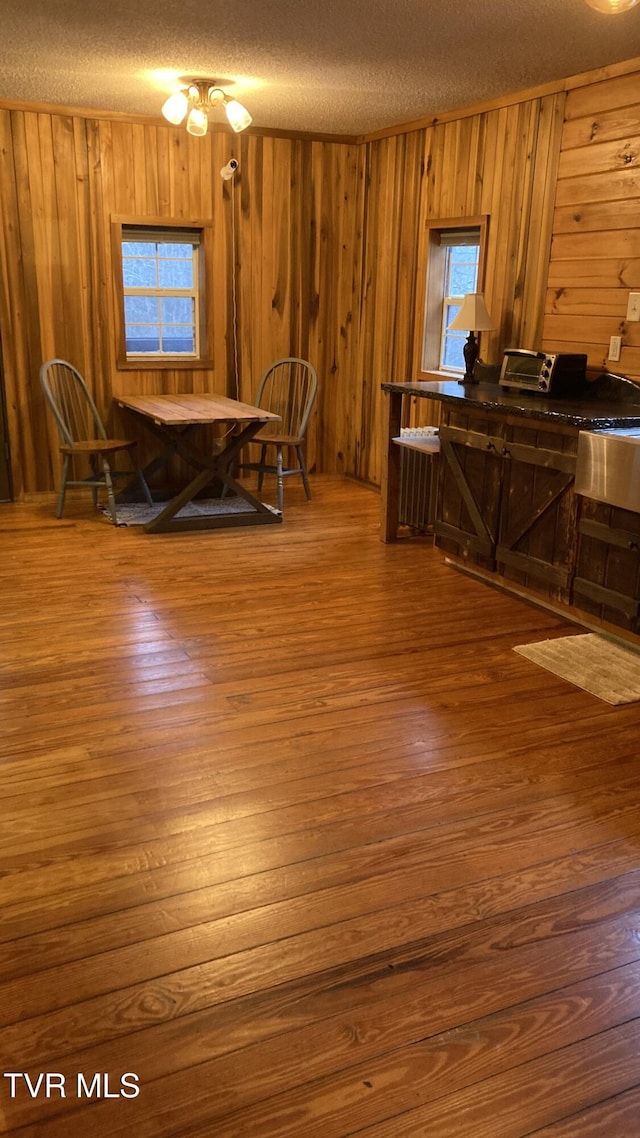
(229, 170)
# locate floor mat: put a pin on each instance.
(139, 513)
(599, 666)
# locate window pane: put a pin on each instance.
(177, 310)
(451, 312)
(452, 354)
(139, 272)
(176, 340)
(138, 249)
(142, 338)
(462, 254)
(175, 274)
(175, 249)
(462, 279)
(141, 309)
(461, 272)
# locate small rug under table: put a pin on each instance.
(139, 513)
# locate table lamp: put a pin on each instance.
(472, 317)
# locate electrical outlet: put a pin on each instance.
(633, 306)
(615, 344)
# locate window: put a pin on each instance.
(454, 255)
(162, 294)
(460, 277)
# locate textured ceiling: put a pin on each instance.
(336, 66)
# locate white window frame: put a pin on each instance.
(166, 231)
(430, 290)
(448, 299)
(167, 237)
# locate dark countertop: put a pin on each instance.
(586, 414)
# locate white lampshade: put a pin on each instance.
(473, 315)
(238, 116)
(610, 7)
(176, 107)
(197, 122)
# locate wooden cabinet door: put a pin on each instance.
(469, 487)
(607, 580)
(537, 535)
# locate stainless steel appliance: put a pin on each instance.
(608, 467)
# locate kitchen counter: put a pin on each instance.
(506, 505)
(587, 414)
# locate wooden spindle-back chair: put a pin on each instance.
(288, 388)
(82, 434)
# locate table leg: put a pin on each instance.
(214, 466)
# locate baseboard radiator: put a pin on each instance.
(419, 458)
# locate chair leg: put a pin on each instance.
(93, 462)
(279, 464)
(63, 485)
(303, 471)
(106, 470)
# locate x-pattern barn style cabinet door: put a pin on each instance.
(506, 498)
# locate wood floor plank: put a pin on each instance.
(288, 829)
(246, 918)
(315, 1098)
(264, 785)
(594, 820)
(365, 792)
(158, 990)
(511, 1104)
(555, 775)
(614, 1116)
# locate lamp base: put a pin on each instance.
(470, 353)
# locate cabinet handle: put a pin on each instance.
(490, 446)
(506, 453)
(633, 545)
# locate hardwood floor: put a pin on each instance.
(291, 834)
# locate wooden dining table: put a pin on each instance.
(174, 420)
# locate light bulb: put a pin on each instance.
(197, 122)
(610, 7)
(176, 107)
(238, 116)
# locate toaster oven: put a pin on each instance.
(545, 373)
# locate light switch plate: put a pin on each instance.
(633, 306)
(615, 345)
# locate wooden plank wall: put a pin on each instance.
(329, 244)
(394, 185)
(297, 206)
(595, 253)
(499, 162)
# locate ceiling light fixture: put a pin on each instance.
(610, 7)
(196, 100)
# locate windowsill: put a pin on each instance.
(164, 364)
(441, 374)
